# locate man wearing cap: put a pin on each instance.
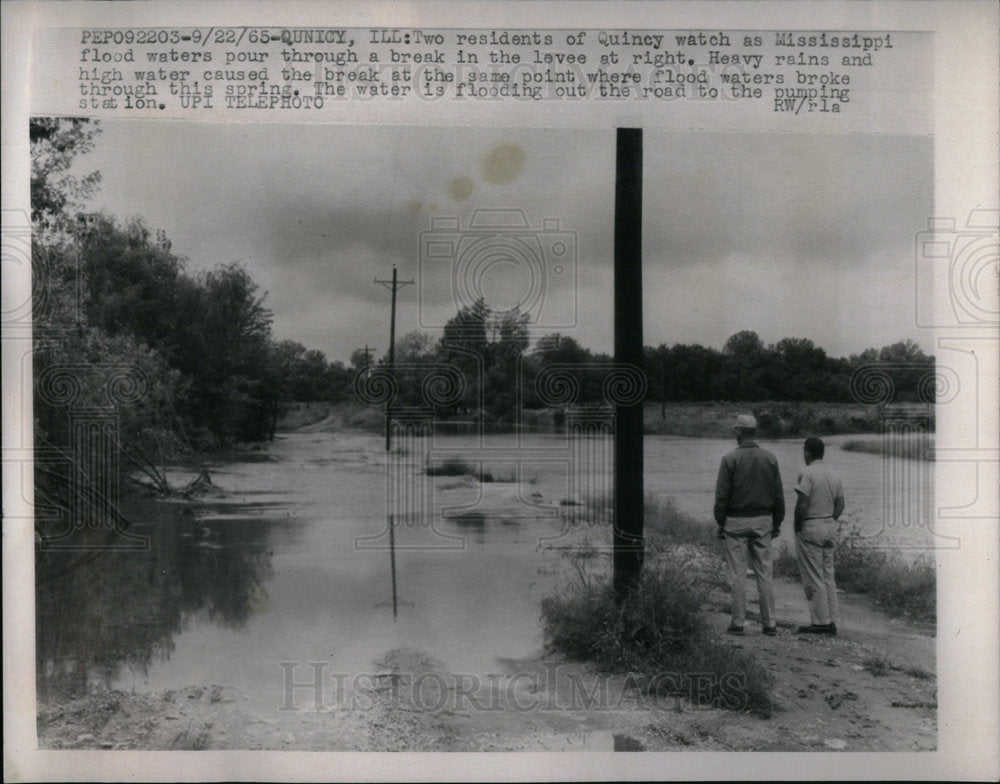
(820, 503)
(749, 510)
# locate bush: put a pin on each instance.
(769, 425)
(657, 635)
(877, 664)
(893, 582)
(827, 426)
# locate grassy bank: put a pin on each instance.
(896, 584)
(665, 523)
(915, 448)
(775, 419)
(660, 636)
(693, 420)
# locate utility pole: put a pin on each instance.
(393, 285)
(628, 514)
(663, 385)
(368, 362)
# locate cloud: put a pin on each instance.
(781, 195)
(736, 225)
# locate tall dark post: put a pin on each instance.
(392, 361)
(394, 285)
(628, 537)
(663, 387)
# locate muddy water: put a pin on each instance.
(685, 469)
(288, 572)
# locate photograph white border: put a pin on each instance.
(966, 177)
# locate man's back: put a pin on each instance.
(749, 484)
(822, 487)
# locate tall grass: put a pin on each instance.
(896, 584)
(658, 635)
(663, 520)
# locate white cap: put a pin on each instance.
(746, 421)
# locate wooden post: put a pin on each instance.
(628, 513)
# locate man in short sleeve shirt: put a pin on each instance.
(749, 509)
(820, 502)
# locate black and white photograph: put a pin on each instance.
(598, 413)
(353, 414)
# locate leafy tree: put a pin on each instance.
(904, 352)
(696, 373)
(486, 347)
(908, 365)
(464, 345)
(745, 367)
(510, 329)
(415, 346)
(132, 286)
(798, 370)
(587, 367)
(222, 344)
(55, 143)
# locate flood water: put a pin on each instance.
(291, 564)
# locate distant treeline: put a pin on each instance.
(791, 369)
(193, 354)
(497, 364)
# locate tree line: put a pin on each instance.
(111, 297)
(498, 365)
(184, 362)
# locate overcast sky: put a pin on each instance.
(787, 235)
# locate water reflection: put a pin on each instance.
(208, 603)
(102, 611)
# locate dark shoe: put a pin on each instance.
(734, 629)
(828, 629)
(771, 631)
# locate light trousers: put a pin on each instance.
(748, 540)
(814, 546)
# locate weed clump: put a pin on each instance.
(877, 664)
(664, 520)
(897, 584)
(657, 635)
